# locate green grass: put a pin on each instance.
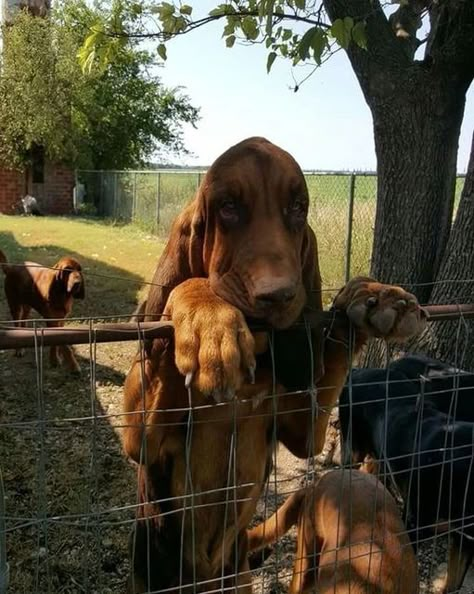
(116, 259)
(119, 258)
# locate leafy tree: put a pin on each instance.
(414, 63)
(116, 117)
(38, 82)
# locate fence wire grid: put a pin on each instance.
(342, 208)
(69, 498)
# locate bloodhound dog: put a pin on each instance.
(351, 538)
(50, 291)
(203, 410)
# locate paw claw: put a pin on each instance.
(188, 379)
(229, 394)
(371, 301)
(251, 371)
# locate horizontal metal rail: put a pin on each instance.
(16, 338)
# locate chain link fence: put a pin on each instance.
(342, 209)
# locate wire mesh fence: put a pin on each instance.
(71, 499)
(342, 209)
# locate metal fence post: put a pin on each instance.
(99, 196)
(4, 568)
(158, 201)
(350, 213)
(115, 193)
(134, 200)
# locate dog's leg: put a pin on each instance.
(65, 350)
(308, 547)
(459, 560)
(19, 314)
(53, 351)
(67, 353)
(244, 578)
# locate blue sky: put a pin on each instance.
(325, 125)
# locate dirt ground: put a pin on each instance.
(70, 492)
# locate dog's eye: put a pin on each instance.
(229, 212)
(297, 212)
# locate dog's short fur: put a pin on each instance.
(350, 537)
(448, 388)
(31, 206)
(49, 291)
(241, 251)
(423, 451)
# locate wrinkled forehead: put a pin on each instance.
(69, 263)
(251, 168)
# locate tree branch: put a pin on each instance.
(378, 67)
(162, 36)
(452, 42)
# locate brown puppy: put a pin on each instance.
(350, 537)
(241, 250)
(50, 291)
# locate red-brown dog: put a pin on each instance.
(50, 291)
(351, 538)
(241, 250)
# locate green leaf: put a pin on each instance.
(229, 29)
(305, 43)
(287, 33)
(318, 44)
(301, 4)
(341, 31)
(250, 28)
(359, 34)
(165, 10)
(230, 41)
(186, 9)
(270, 60)
(162, 51)
(222, 9)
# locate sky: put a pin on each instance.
(326, 125)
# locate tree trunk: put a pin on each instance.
(454, 341)
(416, 139)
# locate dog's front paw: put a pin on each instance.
(214, 348)
(383, 311)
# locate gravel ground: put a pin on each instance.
(61, 460)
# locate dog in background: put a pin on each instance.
(426, 453)
(49, 291)
(448, 388)
(351, 538)
(30, 206)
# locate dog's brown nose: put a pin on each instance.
(269, 293)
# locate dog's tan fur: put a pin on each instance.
(350, 537)
(49, 291)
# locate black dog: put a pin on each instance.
(427, 454)
(449, 389)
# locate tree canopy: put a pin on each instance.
(118, 116)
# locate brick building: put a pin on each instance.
(50, 183)
(53, 190)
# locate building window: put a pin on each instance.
(37, 164)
